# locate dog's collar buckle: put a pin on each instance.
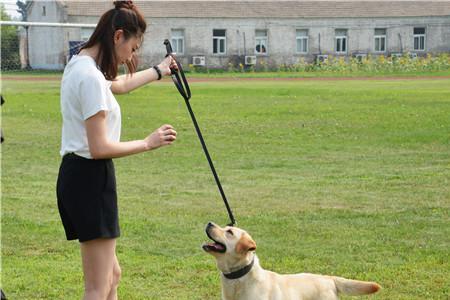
(241, 272)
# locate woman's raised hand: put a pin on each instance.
(164, 135)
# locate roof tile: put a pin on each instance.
(269, 9)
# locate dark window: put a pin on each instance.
(419, 39)
(219, 41)
(419, 30)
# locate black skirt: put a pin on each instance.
(87, 198)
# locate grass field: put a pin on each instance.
(349, 178)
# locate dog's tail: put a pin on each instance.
(355, 287)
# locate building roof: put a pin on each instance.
(270, 9)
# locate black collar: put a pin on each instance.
(241, 272)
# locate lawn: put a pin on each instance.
(350, 178)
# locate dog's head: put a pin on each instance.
(231, 246)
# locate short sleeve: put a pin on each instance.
(93, 96)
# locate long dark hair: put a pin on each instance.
(124, 16)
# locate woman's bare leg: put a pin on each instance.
(101, 269)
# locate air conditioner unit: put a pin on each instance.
(396, 55)
(250, 60)
(360, 56)
(320, 58)
(198, 60)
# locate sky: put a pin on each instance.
(11, 8)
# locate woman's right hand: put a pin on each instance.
(166, 65)
(164, 135)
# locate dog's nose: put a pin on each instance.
(210, 224)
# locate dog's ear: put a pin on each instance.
(245, 244)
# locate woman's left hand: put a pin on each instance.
(166, 65)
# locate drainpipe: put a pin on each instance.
(245, 47)
(28, 66)
(320, 51)
(238, 42)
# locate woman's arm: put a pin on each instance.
(126, 83)
(101, 147)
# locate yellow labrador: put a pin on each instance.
(244, 279)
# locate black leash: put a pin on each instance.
(183, 87)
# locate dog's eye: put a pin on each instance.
(230, 231)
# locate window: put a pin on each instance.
(261, 41)
(341, 41)
(419, 38)
(380, 40)
(302, 40)
(219, 41)
(178, 41)
(44, 12)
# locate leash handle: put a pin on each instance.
(182, 85)
(168, 47)
(178, 77)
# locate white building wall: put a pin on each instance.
(46, 44)
(240, 34)
(282, 33)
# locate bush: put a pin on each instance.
(10, 59)
(382, 64)
(379, 64)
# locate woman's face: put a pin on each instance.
(125, 48)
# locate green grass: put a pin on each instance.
(321, 74)
(349, 178)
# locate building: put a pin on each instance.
(217, 33)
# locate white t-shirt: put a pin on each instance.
(84, 92)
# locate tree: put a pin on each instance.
(10, 57)
(22, 5)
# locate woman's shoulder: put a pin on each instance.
(83, 67)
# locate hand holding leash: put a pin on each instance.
(178, 74)
(167, 65)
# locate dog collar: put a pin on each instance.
(241, 272)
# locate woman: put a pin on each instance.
(86, 187)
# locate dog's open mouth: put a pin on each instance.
(215, 246)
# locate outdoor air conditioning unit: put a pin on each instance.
(320, 58)
(198, 60)
(360, 56)
(396, 55)
(250, 60)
